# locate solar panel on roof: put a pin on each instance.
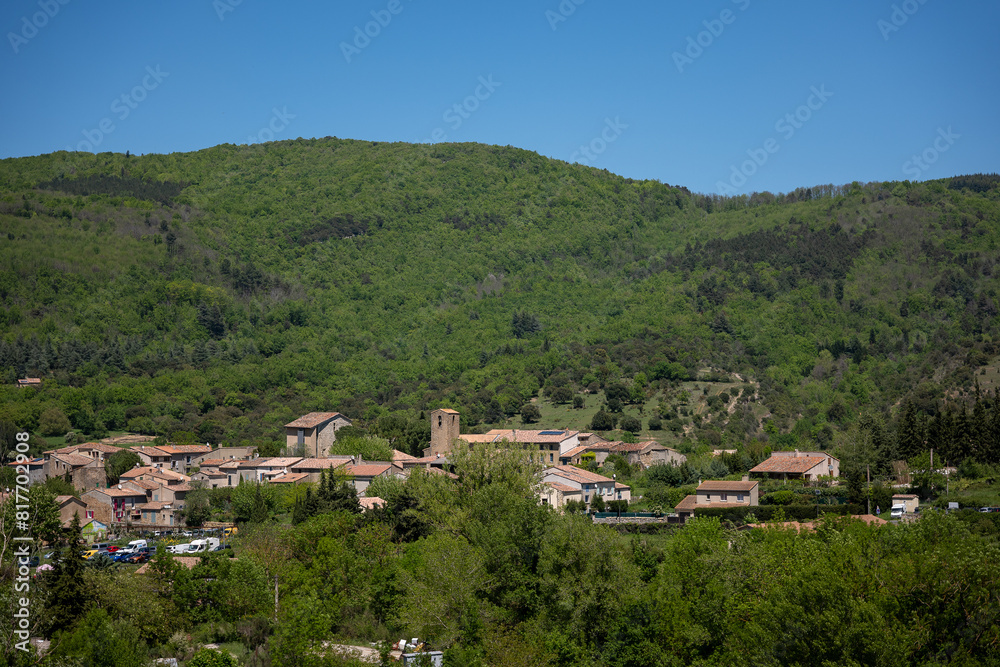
(551, 432)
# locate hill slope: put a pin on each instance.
(223, 292)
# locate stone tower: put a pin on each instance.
(444, 430)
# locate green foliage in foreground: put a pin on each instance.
(493, 578)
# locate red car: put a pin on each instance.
(113, 549)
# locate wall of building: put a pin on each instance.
(444, 431)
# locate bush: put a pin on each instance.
(767, 512)
(209, 657)
(655, 424)
(631, 424)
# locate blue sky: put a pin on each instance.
(722, 96)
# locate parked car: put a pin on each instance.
(140, 556)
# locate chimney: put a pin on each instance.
(746, 478)
(797, 455)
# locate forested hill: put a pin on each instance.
(224, 292)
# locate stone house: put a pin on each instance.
(313, 434)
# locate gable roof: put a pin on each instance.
(722, 485)
(789, 464)
(75, 460)
(563, 487)
(636, 446)
(276, 462)
(314, 419)
(290, 478)
(367, 469)
(577, 474)
(531, 437)
(320, 464)
(184, 449)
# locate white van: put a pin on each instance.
(897, 511)
(178, 548)
(201, 546)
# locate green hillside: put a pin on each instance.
(218, 294)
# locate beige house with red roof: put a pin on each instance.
(115, 506)
(798, 465)
(313, 434)
(545, 446)
(84, 472)
(362, 474)
(557, 494)
(266, 469)
(590, 484)
(152, 456)
(313, 468)
(720, 493)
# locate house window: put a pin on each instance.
(708, 496)
(739, 497)
(550, 458)
(90, 514)
(724, 497)
(302, 436)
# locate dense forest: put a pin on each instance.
(216, 295)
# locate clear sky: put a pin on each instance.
(719, 96)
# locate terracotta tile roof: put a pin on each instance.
(120, 493)
(62, 500)
(401, 456)
(184, 449)
(320, 464)
(371, 503)
(290, 478)
(448, 410)
(621, 487)
(187, 561)
(722, 485)
(531, 437)
(314, 419)
(149, 450)
(789, 464)
(563, 487)
(235, 465)
(185, 486)
(74, 459)
(210, 473)
(276, 462)
(211, 463)
(577, 474)
(439, 471)
(905, 496)
(154, 472)
(573, 452)
(155, 505)
(687, 505)
(367, 469)
(142, 483)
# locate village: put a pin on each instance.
(151, 497)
